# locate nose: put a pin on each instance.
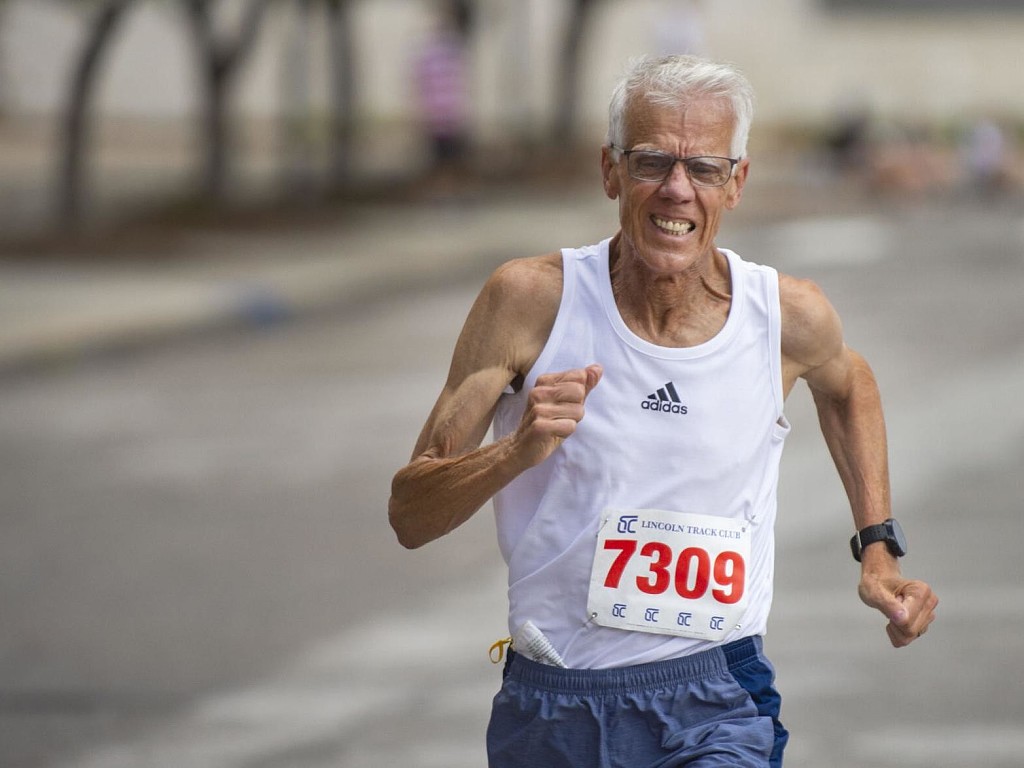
(677, 185)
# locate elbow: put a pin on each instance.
(409, 542)
(405, 516)
(407, 539)
(416, 514)
(398, 515)
(399, 524)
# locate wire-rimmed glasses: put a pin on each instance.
(652, 165)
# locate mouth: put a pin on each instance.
(675, 227)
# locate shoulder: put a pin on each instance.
(515, 311)
(537, 278)
(503, 334)
(812, 332)
(523, 292)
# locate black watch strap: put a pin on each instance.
(890, 532)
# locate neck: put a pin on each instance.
(720, 295)
(678, 309)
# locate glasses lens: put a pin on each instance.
(650, 166)
(709, 171)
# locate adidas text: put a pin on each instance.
(663, 406)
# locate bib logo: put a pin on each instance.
(627, 523)
(665, 400)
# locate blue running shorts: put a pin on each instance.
(715, 708)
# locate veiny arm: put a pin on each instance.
(451, 475)
(850, 414)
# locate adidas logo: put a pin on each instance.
(664, 400)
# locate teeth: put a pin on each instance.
(675, 227)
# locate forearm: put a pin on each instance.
(850, 413)
(854, 430)
(853, 426)
(442, 488)
(433, 495)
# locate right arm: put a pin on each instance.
(450, 475)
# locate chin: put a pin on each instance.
(668, 262)
(665, 254)
(675, 250)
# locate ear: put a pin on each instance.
(610, 173)
(739, 179)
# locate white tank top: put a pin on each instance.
(695, 429)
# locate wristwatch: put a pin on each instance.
(890, 532)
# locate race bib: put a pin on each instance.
(672, 573)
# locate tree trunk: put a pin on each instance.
(343, 91)
(568, 73)
(75, 126)
(220, 61)
(299, 156)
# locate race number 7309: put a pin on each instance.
(691, 572)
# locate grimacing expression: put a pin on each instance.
(670, 225)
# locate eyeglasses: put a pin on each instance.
(704, 170)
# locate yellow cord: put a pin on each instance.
(497, 651)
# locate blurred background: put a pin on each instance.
(237, 242)
(111, 108)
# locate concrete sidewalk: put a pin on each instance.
(56, 309)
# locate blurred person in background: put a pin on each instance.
(636, 392)
(848, 140)
(441, 80)
(986, 156)
(908, 162)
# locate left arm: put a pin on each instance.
(850, 413)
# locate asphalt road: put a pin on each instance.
(195, 566)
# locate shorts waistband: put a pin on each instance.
(704, 664)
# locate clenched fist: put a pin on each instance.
(554, 408)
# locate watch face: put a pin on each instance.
(897, 534)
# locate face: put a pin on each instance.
(670, 226)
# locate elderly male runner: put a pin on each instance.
(636, 390)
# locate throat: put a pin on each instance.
(674, 321)
(678, 310)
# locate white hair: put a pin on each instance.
(674, 81)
